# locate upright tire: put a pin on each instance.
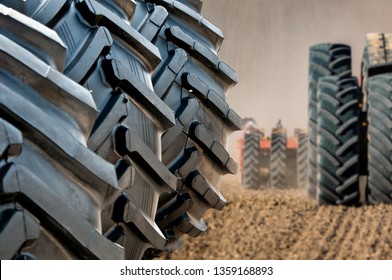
(377, 87)
(380, 139)
(53, 188)
(324, 60)
(251, 164)
(278, 158)
(109, 52)
(193, 82)
(338, 128)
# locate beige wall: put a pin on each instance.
(267, 41)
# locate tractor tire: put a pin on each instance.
(302, 159)
(251, 161)
(363, 133)
(324, 60)
(338, 128)
(193, 82)
(377, 78)
(53, 188)
(380, 139)
(278, 159)
(195, 5)
(123, 124)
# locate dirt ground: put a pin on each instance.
(285, 224)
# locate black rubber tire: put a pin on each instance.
(338, 128)
(193, 82)
(278, 169)
(195, 5)
(53, 187)
(250, 177)
(324, 60)
(115, 67)
(380, 139)
(265, 166)
(377, 79)
(114, 62)
(302, 159)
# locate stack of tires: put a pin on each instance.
(350, 127)
(113, 127)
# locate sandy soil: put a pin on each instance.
(285, 224)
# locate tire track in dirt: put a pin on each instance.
(347, 237)
(384, 231)
(360, 249)
(334, 232)
(368, 242)
(285, 224)
(314, 230)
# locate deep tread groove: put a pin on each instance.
(278, 159)
(195, 21)
(324, 60)
(98, 15)
(155, 22)
(251, 157)
(338, 150)
(380, 142)
(202, 122)
(41, 102)
(118, 77)
(88, 242)
(114, 62)
(99, 34)
(46, 44)
(213, 99)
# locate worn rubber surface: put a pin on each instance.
(251, 161)
(338, 127)
(193, 82)
(109, 52)
(324, 60)
(278, 164)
